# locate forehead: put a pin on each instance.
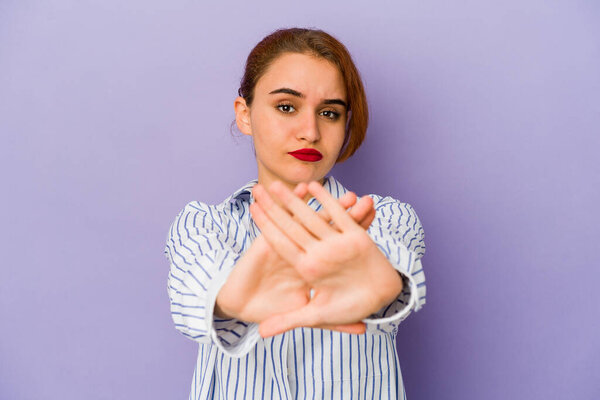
(313, 76)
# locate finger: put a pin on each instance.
(278, 241)
(286, 223)
(357, 328)
(304, 317)
(362, 207)
(347, 200)
(363, 212)
(336, 211)
(301, 211)
(276, 324)
(362, 215)
(366, 222)
(301, 190)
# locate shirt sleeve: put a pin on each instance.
(398, 233)
(202, 251)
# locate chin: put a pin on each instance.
(307, 177)
(297, 172)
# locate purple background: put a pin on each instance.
(485, 118)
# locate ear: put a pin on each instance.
(242, 116)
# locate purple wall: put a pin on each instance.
(485, 117)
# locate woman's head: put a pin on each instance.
(321, 45)
(297, 119)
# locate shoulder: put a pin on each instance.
(399, 220)
(389, 211)
(198, 214)
(389, 207)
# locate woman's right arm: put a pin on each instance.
(211, 301)
(202, 252)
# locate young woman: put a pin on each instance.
(292, 286)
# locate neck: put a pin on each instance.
(266, 181)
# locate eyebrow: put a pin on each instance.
(298, 94)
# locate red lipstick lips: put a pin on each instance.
(311, 155)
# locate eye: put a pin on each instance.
(332, 115)
(286, 108)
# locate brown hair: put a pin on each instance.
(319, 44)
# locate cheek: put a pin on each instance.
(337, 137)
(270, 126)
(269, 137)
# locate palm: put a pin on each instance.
(350, 276)
(265, 284)
(267, 287)
(346, 276)
(331, 256)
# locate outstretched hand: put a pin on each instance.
(264, 284)
(349, 276)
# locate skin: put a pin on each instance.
(263, 284)
(300, 250)
(351, 278)
(282, 122)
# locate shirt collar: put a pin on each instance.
(245, 192)
(335, 188)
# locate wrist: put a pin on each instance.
(233, 297)
(218, 310)
(389, 282)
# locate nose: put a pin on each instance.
(309, 128)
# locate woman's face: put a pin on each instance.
(299, 107)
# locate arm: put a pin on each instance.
(350, 275)
(201, 253)
(398, 233)
(211, 300)
(263, 284)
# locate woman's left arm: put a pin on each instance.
(398, 233)
(347, 268)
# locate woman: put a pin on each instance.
(294, 287)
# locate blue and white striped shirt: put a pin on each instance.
(234, 362)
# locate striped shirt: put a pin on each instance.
(234, 362)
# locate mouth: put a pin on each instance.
(311, 155)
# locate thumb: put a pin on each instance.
(358, 328)
(285, 322)
(363, 212)
(276, 324)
